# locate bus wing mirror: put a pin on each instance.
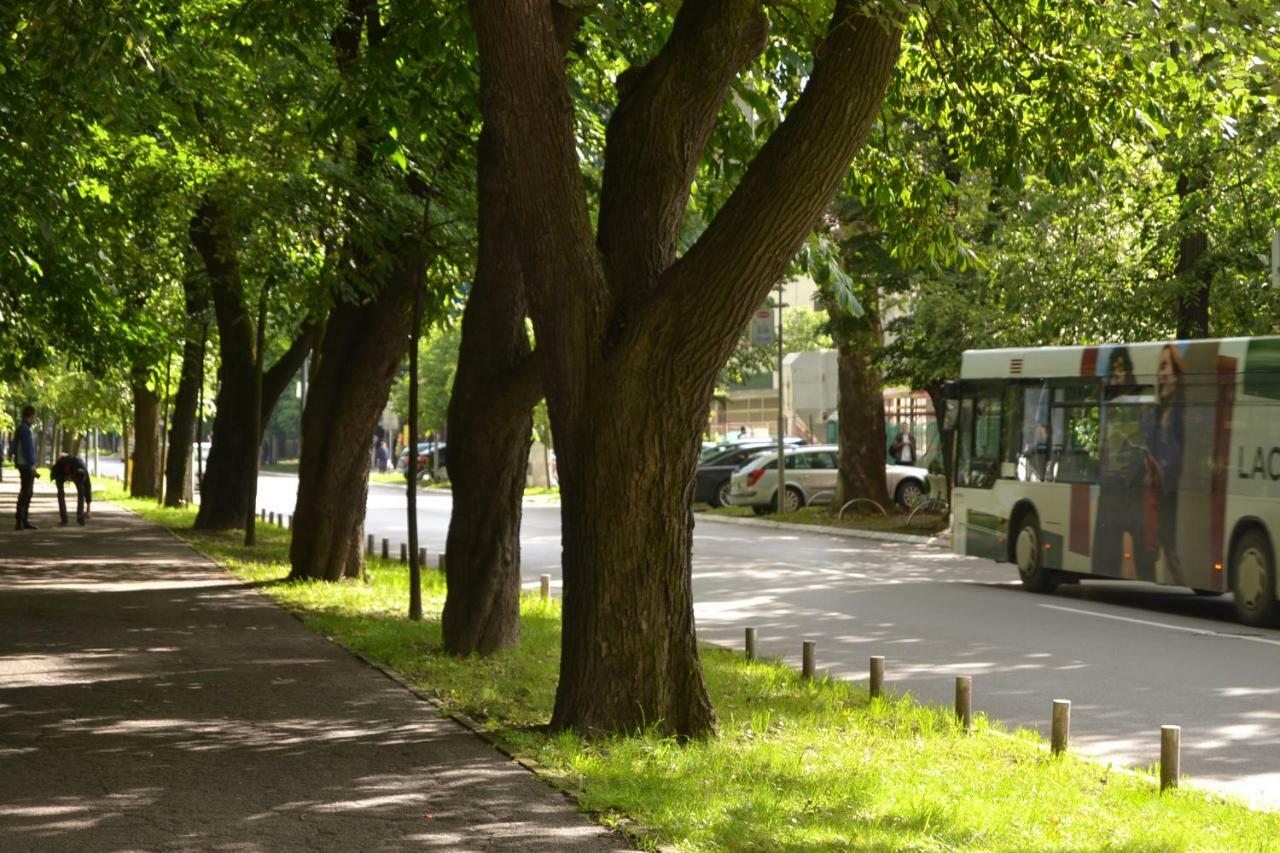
(951, 414)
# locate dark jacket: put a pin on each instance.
(24, 451)
(65, 469)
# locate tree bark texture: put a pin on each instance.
(630, 356)
(1193, 273)
(182, 420)
(860, 403)
(490, 421)
(232, 465)
(355, 366)
(146, 438)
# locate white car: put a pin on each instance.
(812, 474)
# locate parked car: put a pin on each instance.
(711, 450)
(427, 469)
(812, 474)
(714, 472)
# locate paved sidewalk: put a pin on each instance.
(148, 701)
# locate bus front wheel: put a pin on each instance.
(1253, 579)
(1028, 554)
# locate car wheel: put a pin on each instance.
(1028, 554)
(794, 500)
(909, 493)
(721, 495)
(1253, 579)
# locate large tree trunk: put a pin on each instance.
(356, 364)
(1194, 275)
(182, 421)
(226, 494)
(861, 401)
(490, 421)
(630, 338)
(146, 444)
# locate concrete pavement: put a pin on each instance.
(149, 701)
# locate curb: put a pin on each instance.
(881, 536)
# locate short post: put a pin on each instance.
(1170, 756)
(262, 515)
(386, 550)
(544, 584)
(1061, 733)
(876, 686)
(290, 521)
(404, 553)
(806, 659)
(964, 701)
(271, 518)
(440, 562)
(368, 548)
(422, 556)
(751, 644)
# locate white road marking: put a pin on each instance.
(1200, 631)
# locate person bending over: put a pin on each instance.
(72, 468)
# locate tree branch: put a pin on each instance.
(707, 296)
(276, 378)
(666, 112)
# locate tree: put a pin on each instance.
(632, 338)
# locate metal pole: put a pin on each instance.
(250, 536)
(782, 427)
(415, 568)
(204, 343)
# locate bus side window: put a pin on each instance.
(1077, 435)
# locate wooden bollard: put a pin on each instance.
(290, 521)
(751, 644)
(271, 518)
(876, 685)
(1170, 756)
(262, 515)
(964, 701)
(544, 586)
(1060, 734)
(440, 562)
(386, 550)
(422, 556)
(806, 658)
(368, 548)
(404, 553)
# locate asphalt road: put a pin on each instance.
(1131, 657)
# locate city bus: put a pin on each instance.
(1156, 462)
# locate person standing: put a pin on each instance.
(73, 468)
(24, 459)
(903, 450)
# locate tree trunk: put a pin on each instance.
(861, 401)
(629, 357)
(183, 417)
(356, 364)
(146, 438)
(1195, 277)
(490, 420)
(231, 468)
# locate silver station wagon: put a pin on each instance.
(812, 473)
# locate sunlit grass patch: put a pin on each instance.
(797, 765)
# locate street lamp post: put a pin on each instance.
(782, 432)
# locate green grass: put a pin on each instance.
(896, 522)
(796, 766)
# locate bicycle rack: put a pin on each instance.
(874, 503)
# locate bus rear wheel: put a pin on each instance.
(1253, 579)
(1028, 554)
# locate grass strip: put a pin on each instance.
(796, 766)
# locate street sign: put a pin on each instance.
(762, 328)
